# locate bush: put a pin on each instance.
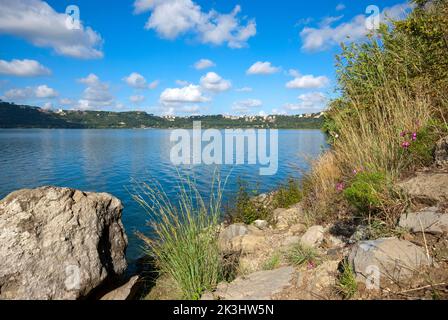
(273, 262)
(184, 237)
(288, 195)
(300, 255)
(366, 191)
(347, 285)
(245, 210)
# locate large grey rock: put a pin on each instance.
(429, 220)
(59, 243)
(313, 237)
(429, 187)
(262, 285)
(284, 218)
(232, 231)
(394, 259)
(261, 224)
(125, 292)
(241, 238)
(441, 152)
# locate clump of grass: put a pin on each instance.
(245, 210)
(273, 262)
(300, 255)
(184, 237)
(347, 285)
(288, 194)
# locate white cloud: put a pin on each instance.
(45, 92)
(172, 18)
(37, 22)
(23, 68)
(307, 81)
(262, 68)
(96, 94)
(308, 102)
(188, 94)
(214, 82)
(135, 80)
(340, 7)
(22, 94)
(244, 89)
(137, 98)
(246, 106)
(315, 39)
(204, 64)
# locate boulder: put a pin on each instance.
(125, 292)
(262, 285)
(284, 218)
(392, 258)
(241, 238)
(427, 187)
(441, 152)
(297, 229)
(59, 243)
(291, 241)
(313, 237)
(429, 220)
(315, 283)
(247, 244)
(261, 224)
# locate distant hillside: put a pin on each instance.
(22, 116)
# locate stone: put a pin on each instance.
(441, 152)
(284, 218)
(229, 233)
(394, 259)
(320, 279)
(427, 187)
(429, 220)
(291, 241)
(261, 224)
(59, 243)
(313, 237)
(262, 285)
(125, 292)
(297, 229)
(248, 244)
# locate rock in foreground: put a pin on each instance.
(59, 243)
(391, 258)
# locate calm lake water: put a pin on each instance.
(109, 160)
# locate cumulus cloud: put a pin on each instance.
(23, 94)
(204, 64)
(23, 68)
(246, 106)
(187, 94)
(38, 23)
(137, 81)
(306, 81)
(262, 68)
(172, 18)
(153, 85)
(214, 82)
(315, 39)
(308, 102)
(96, 95)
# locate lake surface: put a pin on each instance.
(109, 160)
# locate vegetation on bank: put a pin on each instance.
(184, 240)
(392, 109)
(18, 116)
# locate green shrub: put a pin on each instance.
(366, 191)
(245, 210)
(288, 195)
(347, 285)
(300, 255)
(273, 262)
(184, 238)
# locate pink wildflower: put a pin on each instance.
(340, 186)
(414, 136)
(406, 144)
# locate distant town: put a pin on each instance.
(24, 116)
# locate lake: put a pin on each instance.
(109, 160)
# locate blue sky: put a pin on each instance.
(141, 55)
